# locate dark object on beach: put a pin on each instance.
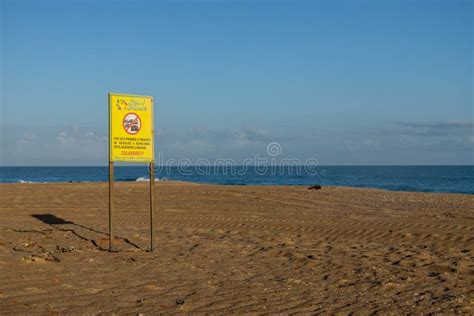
(51, 219)
(315, 187)
(179, 301)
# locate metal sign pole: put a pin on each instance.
(111, 178)
(111, 204)
(152, 186)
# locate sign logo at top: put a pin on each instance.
(131, 132)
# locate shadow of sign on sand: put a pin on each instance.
(53, 220)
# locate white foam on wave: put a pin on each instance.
(25, 181)
(144, 179)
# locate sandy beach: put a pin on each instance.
(234, 249)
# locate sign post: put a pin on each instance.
(131, 139)
(111, 202)
(152, 189)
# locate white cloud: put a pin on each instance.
(64, 139)
(430, 129)
(28, 136)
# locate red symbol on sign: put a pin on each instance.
(132, 123)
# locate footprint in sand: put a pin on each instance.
(34, 290)
(93, 290)
(41, 258)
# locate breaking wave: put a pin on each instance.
(25, 181)
(145, 179)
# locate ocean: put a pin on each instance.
(451, 179)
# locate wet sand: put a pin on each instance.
(234, 249)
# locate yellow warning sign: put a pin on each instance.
(131, 128)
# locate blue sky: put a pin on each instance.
(345, 82)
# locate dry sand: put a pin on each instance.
(235, 249)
